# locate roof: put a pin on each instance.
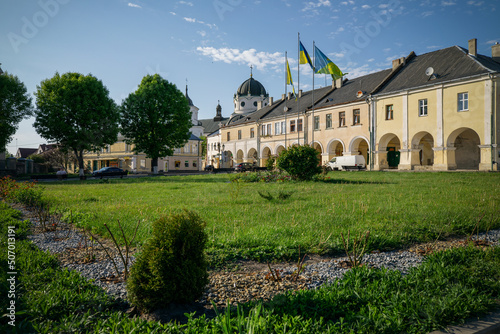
(210, 125)
(323, 97)
(193, 137)
(190, 102)
(448, 64)
(251, 87)
(25, 152)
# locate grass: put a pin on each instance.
(447, 288)
(397, 208)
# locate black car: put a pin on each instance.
(109, 171)
(244, 167)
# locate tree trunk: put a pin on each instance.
(81, 166)
(154, 165)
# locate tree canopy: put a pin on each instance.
(301, 162)
(15, 105)
(76, 111)
(156, 118)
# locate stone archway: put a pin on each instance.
(266, 154)
(422, 153)
(463, 149)
(319, 148)
(359, 145)
(279, 149)
(239, 156)
(252, 156)
(388, 153)
(335, 148)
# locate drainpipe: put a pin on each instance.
(368, 100)
(493, 121)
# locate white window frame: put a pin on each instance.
(316, 122)
(277, 128)
(463, 101)
(329, 121)
(269, 129)
(356, 117)
(283, 127)
(422, 107)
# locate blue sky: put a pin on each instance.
(212, 44)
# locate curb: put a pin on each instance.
(489, 324)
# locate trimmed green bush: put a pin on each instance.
(171, 267)
(301, 162)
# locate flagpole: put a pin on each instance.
(284, 100)
(298, 88)
(314, 70)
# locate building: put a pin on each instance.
(436, 111)
(121, 155)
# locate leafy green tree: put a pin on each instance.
(76, 111)
(156, 118)
(301, 162)
(15, 105)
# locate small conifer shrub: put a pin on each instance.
(172, 267)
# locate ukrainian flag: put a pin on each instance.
(289, 78)
(324, 65)
(304, 56)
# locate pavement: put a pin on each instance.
(489, 324)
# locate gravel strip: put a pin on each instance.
(237, 287)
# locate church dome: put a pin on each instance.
(251, 87)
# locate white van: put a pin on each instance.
(347, 162)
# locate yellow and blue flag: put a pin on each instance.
(324, 65)
(304, 56)
(289, 80)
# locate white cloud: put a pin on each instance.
(475, 3)
(448, 3)
(202, 33)
(371, 60)
(190, 4)
(173, 13)
(366, 7)
(387, 49)
(130, 4)
(312, 7)
(189, 19)
(193, 20)
(428, 13)
(493, 41)
(260, 60)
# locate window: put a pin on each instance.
(422, 107)
(186, 163)
(252, 133)
(243, 103)
(269, 129)
(316, 122)
(239, 134)
(389, 113)
(463, 101)
(356, 118)
(283, 127)
(292, 126)
(195, 163)
(341, 118)
(143, 163)
(277, 128)
(228, 136)
(299, 125)
(255, 104)
(177, 164)
(328, 121)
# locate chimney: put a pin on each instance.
(334, 83)
(300, 93)
(395, 63)
(495, 52)
(259, 105)
(283, 96)
(338, 82)
(289, 95)
(473, 47)
(271, 100)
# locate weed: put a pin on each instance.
(355, 250)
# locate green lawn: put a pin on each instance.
(397, 208)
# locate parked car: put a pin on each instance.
(244, 167)
(109, 171)
(209, 168)
(347, 162)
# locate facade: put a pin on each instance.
(121, 154)
(436, 111)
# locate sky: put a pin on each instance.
(210, 45)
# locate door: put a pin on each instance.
(393, 157)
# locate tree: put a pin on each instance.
(301, 162)
(155, 118)
(76, 111)
(15, 105)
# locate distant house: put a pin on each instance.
(45, 148)
(23, 153)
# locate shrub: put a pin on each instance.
(172, 267)
(301, 162)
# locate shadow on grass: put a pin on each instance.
(342, 181)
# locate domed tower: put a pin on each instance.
(248, 96)
(196, 129)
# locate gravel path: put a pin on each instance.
(78, 252)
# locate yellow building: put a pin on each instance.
(440, 111)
